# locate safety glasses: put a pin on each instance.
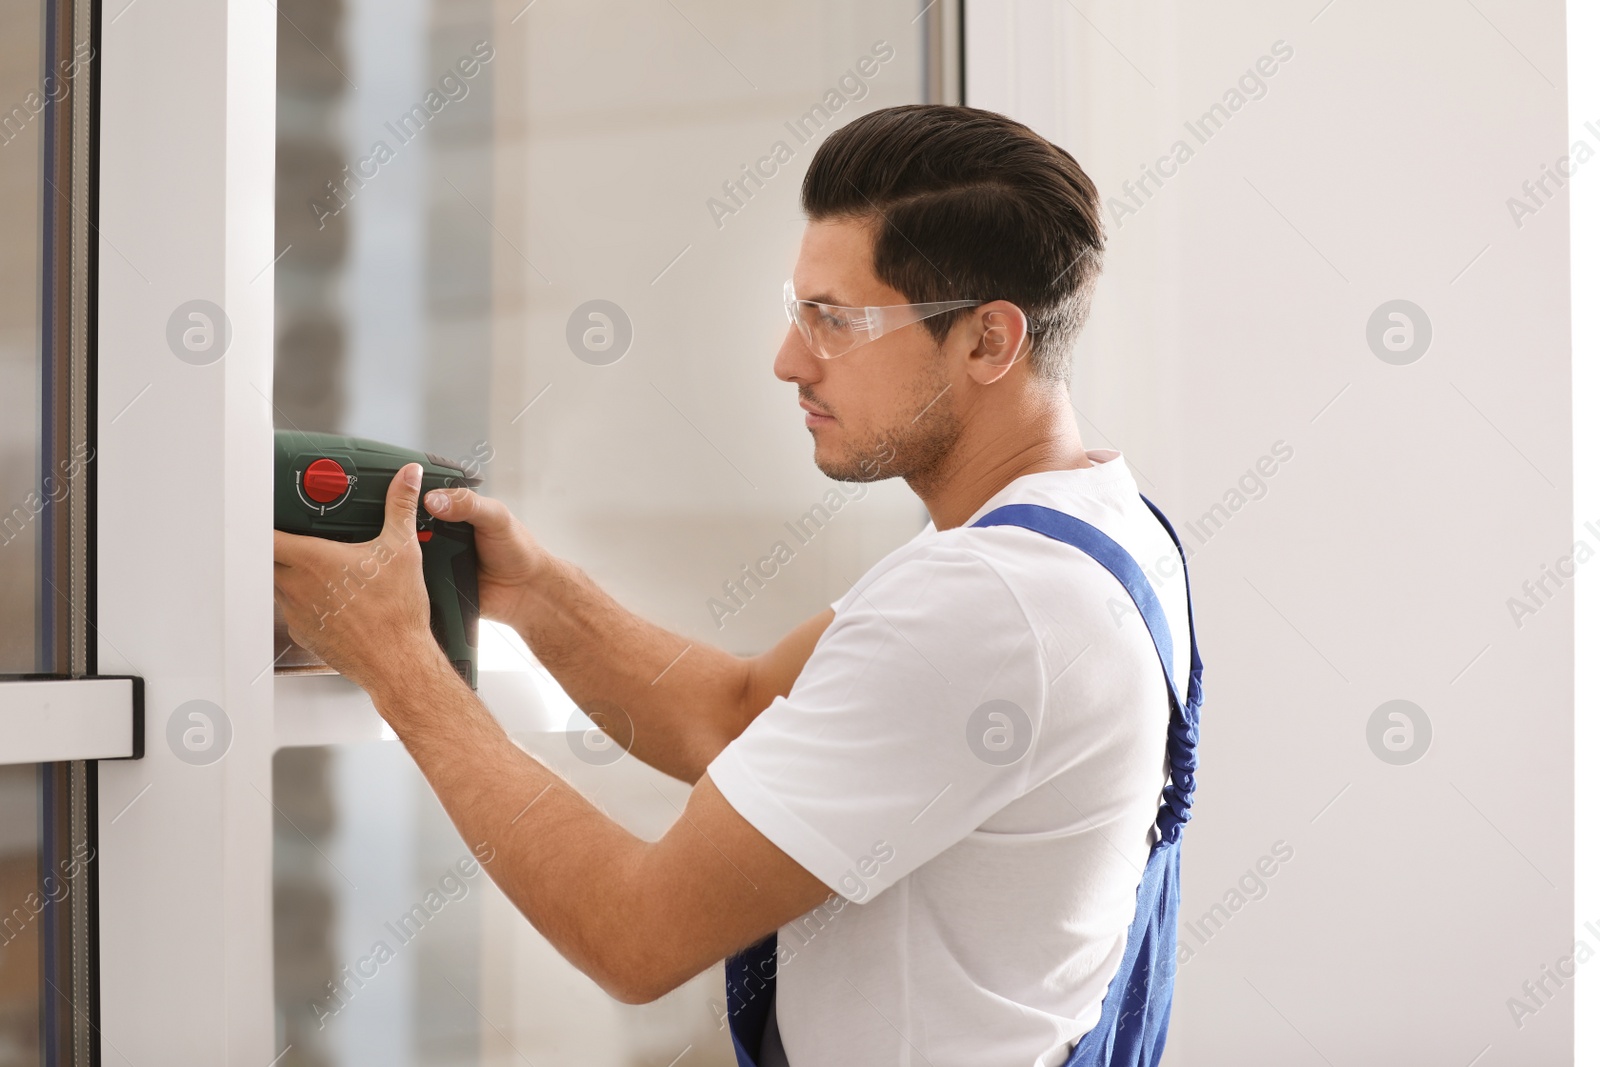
(830, 331)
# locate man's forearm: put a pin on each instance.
(672, 702)
(638, 917)
(562, 862)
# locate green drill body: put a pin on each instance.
(328, 485)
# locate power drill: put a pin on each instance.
(327, 485)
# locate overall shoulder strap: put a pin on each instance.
(1191, 704)
(1183, 729)
(1071, 530)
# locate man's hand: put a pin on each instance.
(510, 562)
(362, 608)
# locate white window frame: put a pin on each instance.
(184, 525)
(185, 850)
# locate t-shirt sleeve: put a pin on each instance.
(911, 724)
(927, 531)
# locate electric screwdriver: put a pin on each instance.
(328, 485)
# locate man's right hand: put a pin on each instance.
(510, 561)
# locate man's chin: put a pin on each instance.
(846, 473)
(843, 468)
(830, 463)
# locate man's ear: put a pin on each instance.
(999, 332)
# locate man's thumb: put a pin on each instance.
(400, 509)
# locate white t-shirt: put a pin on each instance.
(972, 759)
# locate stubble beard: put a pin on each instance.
(915, 448)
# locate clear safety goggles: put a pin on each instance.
(831, 331)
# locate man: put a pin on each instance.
(942, 792)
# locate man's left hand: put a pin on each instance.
(362, 608)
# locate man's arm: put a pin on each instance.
(639, 918)
(672, 702)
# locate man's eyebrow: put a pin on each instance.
(826, 298)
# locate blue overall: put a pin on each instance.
(1132, 1030)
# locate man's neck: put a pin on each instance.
(989, 457)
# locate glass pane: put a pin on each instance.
(392, 946)
(21, 917)
(21, 170)
(45, 906)
(444, 231)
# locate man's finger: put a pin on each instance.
(488, 515)
(400, 508)
(447, 504)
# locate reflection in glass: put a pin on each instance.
(20, 922)
(21, 169)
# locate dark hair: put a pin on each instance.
(969, 205)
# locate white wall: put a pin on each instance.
(1379, 561)
(1583, 38)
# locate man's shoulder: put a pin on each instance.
(970, 569)
(936, 563)
(970, 566)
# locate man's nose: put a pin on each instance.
(795, 362)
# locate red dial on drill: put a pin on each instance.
(325, 481)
